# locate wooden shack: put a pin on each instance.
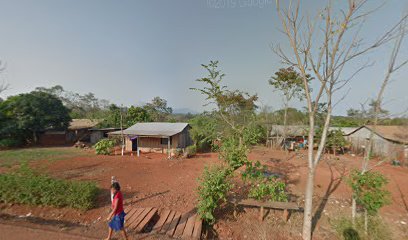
(158, 137)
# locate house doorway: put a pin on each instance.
(134, 144)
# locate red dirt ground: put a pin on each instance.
(152, 180)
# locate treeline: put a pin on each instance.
(354, 118)
(24, 116)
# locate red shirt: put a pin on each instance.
(119, 199)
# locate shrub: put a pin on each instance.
(104, 146)
(190, 151)
(178, 152)
(377, 229)
(369, 190)
(233, 153)
(213, 188)
(10, 142)
(28, 187)
(262, 187)
(254, 134)
(270, 190)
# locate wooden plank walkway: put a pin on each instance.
(169, 222)
(138, 218)
(178, 225)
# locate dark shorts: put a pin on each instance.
(118, 221)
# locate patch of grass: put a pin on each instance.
(377, 229)
(28, 187)
(17, 156)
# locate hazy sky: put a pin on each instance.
(131, 51)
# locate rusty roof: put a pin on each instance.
(393, 133)
(77, 124)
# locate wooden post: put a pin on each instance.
(137, 149)
(261, 214)
(285, 215)
(168, 147)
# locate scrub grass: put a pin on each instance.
(28, 187)
(9, 158)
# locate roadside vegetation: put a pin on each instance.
(18, 156)
(28, 187)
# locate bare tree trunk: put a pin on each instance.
(285, 120)
(308, 208)
(392, 67)
(353, 210)
(365, 221)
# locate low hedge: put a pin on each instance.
(27, 187)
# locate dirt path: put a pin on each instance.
(13, 232)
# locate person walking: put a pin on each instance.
(116, 218)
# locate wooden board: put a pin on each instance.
(274, 205)
(197, 228)
(182, 224)
(131, 212)
(188, 230)
(163, 217)
(136, 212)
(168, 222)
(173, 224)
(141, 216)
(146, 220)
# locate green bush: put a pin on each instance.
(191, 151)
(10, 142)
(254, 134)
(369, 190)
(270, 190)
(213, 188)
(104, 146)
(262, 187)
(233, 153)
(28, 187)
(377, 229)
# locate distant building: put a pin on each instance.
(390, 141)
(156, 137)
(100, 133)
(78, 130)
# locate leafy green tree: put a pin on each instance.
(290, 83)
(112, 117)
(234, 109)
(33, 112)
(204, 131)
(81, 106)
(137, 114)
(158, 109)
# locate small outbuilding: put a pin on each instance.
(161, 137)
(78, 130)
(390, 141)
(100, 133)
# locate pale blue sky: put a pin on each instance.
(131, 51)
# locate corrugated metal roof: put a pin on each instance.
(154, 129)
(76, 124)
(393, 133)
(291, 130)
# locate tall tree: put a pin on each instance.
(35, 111)
(158, 109)
(325, 44)
(290, 83)
(137, 114)
(376, 110)
(234, 108)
